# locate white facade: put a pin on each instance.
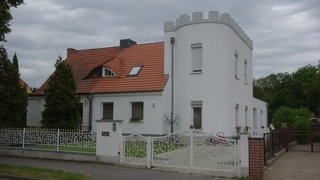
(152, 122)
(212, 82)
(222, 88)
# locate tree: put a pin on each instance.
(62, 102)
(14, 99)
(300, 89)
(15, 61)
(292, 117)
(6, 16)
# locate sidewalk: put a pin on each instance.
(103, 171)
(295, 165)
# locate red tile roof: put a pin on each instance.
(120, 61)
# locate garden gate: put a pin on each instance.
(187, 150)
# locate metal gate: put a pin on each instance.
(187, 150)
(135, 150)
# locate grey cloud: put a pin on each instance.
(285, 33)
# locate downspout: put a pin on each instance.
(90, 98)
(172, 40)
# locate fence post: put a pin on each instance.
(256, 158)
(244, 155)
(191, 149)
(58, 138)
(149, 150)
(23, 137)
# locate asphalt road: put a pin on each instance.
(102, 171)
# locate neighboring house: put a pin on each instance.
(24, 84)
(209, 87)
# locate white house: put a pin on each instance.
(200, 76)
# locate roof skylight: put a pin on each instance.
(135, 70)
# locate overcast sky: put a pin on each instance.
(285, 34)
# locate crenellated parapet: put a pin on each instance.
(214, 17)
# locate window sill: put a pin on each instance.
(141, 121)
(192, 73)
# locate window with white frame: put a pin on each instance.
(261, 118)
(136, 112)
(197, 114)
(237, 115)
(236, 59)
(245, 71)
(246, 115)
(108, 73)
(135, 70)
(255, 118)
(107, 112)
(196, 55)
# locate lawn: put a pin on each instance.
(40, 173)
(63, 148)
(139, 149)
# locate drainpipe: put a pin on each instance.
(172, 40)
(90, 98)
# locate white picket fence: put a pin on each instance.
(49, 139)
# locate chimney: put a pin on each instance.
(125, 43)
(70, 50)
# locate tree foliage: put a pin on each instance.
(62, 102)
(6, 17)
(300, 89)
(292, 117)
(14, 99)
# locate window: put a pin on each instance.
(136, 112)
(197, 114)
(255, 120)
(108, 73)
(245, 71)
(196, 53)
(261, 118)
(246, 115)
(107, 111)
(236, 57)
(135, 70)
(237, 115)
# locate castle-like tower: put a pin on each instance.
(212, 72)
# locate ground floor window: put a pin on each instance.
(107, 111)
(136, 111)
(197, 114)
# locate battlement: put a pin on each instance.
(214, 17)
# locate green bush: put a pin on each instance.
(292, 117)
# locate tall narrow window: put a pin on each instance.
(261, 119)
(255, 120)
(246, 115)
(196, 53)
(107, 111)
(136, 111)
(245, 71)
(237, 114)
(236, 57)
(197, 114)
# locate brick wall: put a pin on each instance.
(256, 158)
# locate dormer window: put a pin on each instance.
(108, 73)
(135, 70)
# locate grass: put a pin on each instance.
(40, 173)
(139, 149)
(63, 148)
